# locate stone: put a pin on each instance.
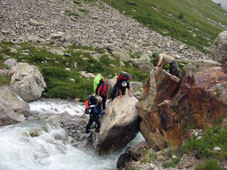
(119, 126)
(75, 65)
(218, 48)
(56, 35)
(27, 81)
(133, 153)
(189, 102)
(57, 51)
(187, 161)
(12, 107)
(138, 165)
(10, 62)
(136, 85)
(34, 22)
(122, 55)
(143, 63)
(196, 66)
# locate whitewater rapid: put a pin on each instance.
(51, 149)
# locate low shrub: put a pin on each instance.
(208, 164)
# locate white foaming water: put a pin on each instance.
(56, 107)
(50, 150)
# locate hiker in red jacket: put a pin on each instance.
(103, 92)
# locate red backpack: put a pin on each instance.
(103, 88)
(123, 77)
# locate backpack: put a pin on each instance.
(103, 88)
(100, 83)
(96, 82)
(90, 104)
(123, 77)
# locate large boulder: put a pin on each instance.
(119, 126)
(196, 101)
(27, 81)
(144, 63)
(167, 85)
(218, 49)
(196, 66)
(12, 107)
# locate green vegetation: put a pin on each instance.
(70, 13)
(193, 22)
(83, 10)
(203, 148)
(132, 169)
(171, 164)
(4, 80)
(209, 164)
(62, 78)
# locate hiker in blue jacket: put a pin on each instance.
(93, 108)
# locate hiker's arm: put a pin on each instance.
(129, 92)
(120, 92)
(102, 113)
(98, 91)
(162, 65)
(159, 62)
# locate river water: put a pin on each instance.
(20, 151)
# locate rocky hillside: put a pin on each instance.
(90, 24)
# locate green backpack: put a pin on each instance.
(96, 82)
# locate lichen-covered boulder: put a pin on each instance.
(198, 101)
(27, 81)
(196, 66)
(218, 48)
(143, 63)
(119, 126)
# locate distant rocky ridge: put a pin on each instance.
(97, 24)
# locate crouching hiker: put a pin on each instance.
(163, 59)
(93, 108)
(121, 85)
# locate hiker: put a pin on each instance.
(93, 108)
(102, 91)
(121, 85)
(163, 59)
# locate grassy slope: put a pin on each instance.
(190, 21)
(53, 66)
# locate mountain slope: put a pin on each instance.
(90, 24)
(194, 22)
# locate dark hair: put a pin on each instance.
(92, 100)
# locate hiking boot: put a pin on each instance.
(97, 130)
(87, 131)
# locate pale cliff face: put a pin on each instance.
(222, 2)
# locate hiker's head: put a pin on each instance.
(124, 83)
(155, 55)
(92, 100)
